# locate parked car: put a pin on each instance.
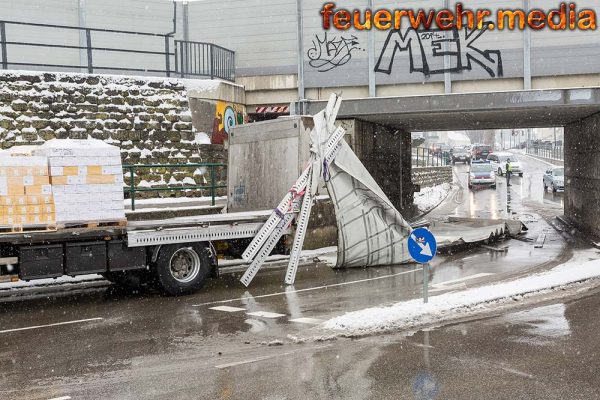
(481, 151)
(482, 173)
(498, 160)
(555, 178)
(460, 154)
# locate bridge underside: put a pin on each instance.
(578, 110)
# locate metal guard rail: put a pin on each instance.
(197, 59)
(132, 189)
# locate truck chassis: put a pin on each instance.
(177, 256)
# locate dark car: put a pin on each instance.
(461, 154)
(481, 151)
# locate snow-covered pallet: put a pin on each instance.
(92, 224)
(27, 228)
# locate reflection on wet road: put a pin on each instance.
(526, 195)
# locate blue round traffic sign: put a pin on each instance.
(425, 387)
(422, 245)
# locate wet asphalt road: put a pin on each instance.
(103, 343)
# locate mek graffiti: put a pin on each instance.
(327, 54)
(426, 52)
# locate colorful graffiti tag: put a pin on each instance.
(227, 115)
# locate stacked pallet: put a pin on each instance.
(87, 181)
(25, 193)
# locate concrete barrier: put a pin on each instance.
(431, 176)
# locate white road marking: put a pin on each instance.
(517, 372)
(234, 364)
(466, 278)
(441, 288)
(257, 359)
(306, 320)
(62, 398)
(265, 314)
(228, 309)
(308, 289)
(51, 325)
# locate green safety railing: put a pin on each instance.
(132, 189)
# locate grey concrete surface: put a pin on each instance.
(582, 174)
(527, 108)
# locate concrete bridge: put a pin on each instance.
(577, 110)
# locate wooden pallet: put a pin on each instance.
(33, 228)
(93, 224)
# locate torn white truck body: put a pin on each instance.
(371, 232)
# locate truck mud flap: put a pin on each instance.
(123, 258)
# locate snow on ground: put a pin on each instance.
(50, 281)
(448, 306)
(429, 198)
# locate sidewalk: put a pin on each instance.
(454, 305)
(549, 161)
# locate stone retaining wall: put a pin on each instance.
(431, 176)
(148, 118)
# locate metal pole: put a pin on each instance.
(186, 21)
(371, 55)
(526, 52)
(132, 188)
(212, 59)
(3, 41)
(426, 283)
(82, 34)
(300, 49)
(447, 76)
(90, 62)
(212, 183)
(167, 56)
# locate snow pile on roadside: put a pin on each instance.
(413, 313)
(430, 197)
(50, 281)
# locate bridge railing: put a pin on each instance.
(424, 157)
(92, 50)
(549, 152)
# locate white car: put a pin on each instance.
(482, 174)
(555, 178)
(498, 160)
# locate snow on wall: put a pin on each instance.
(148, 118)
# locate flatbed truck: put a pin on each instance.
(176, 255)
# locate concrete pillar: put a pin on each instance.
(386, 154)
(582, 174)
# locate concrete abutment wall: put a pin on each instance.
(149, 119)
(582, 174)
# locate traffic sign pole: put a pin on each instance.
(425, 282)
(422, 247)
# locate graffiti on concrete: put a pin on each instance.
(327, 54)
(426, 51)
(227, 115)
(240, 197)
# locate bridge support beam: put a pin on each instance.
(582, 174)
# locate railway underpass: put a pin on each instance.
(385, 124)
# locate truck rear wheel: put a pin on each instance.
(183, 268)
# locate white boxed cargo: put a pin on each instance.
(82, 172)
